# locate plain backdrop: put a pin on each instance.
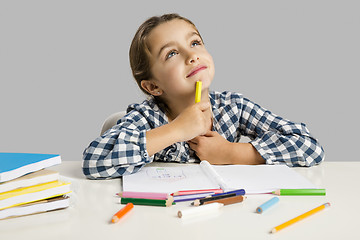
(64, 66)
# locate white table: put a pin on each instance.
(93, 203)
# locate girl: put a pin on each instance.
(167, 58)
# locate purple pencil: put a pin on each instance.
(191, 197)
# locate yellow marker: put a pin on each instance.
(198, 91)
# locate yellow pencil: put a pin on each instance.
(198, 91)
(298, 218)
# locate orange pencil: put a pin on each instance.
(122, 212)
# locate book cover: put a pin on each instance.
(14, 165)
(41, 206)
(33, 193)
(34, 178)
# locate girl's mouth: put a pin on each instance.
(196, 70)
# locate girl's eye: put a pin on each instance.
(195, 43)
(171, 54)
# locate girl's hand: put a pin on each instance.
(217, 150)
(211, 147)
(193, 121)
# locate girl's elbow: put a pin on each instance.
(320, 156)
(315, 154)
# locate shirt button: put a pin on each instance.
(145, 155)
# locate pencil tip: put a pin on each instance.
(276, 192)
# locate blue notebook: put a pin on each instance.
(14, 165)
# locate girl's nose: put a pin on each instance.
(193, 58)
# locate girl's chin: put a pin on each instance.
(205, 83)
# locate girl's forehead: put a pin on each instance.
(174, 26)
(173, 30)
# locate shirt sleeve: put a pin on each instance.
(279, 140)
(119, 151)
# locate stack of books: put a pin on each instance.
(27, 187)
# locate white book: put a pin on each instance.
(41, 176)
(33, 193)
(41, 206)
(252, 178)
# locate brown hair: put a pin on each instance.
(139, 52)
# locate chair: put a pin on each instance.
(111, 121)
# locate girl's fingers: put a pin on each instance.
(210, 134)
(192, 145)
(193, 141)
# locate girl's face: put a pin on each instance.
(179, 59)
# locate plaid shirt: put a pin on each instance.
(122, 149)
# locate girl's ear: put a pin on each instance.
(151, 87)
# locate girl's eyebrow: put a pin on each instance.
(189, 35)
(166, 46)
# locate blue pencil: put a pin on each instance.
(237, 192)
(267, 204)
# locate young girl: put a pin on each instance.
(167, 58)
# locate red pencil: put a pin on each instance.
(188, 192)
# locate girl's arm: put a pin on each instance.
(119, 151)
(129, 145)
(274, 139)
(278, 140)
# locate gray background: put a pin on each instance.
(64, 66)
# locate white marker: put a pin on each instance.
(206, 166)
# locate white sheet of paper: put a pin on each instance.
(252, 178)
(262, 178)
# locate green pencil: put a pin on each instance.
(148, 202)
(293, 192)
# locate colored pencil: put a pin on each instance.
(148, 202)
(267, 205)
(201, 201)
(198, 91)
(191, 197)
(227, 201)
(237, 192)
(298, 218)
(188, 192)
(122, 212)
(198, 211)
(147, 195)
(299, 192)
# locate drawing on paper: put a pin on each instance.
(166, 174)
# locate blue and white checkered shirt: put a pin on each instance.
(122, 149)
